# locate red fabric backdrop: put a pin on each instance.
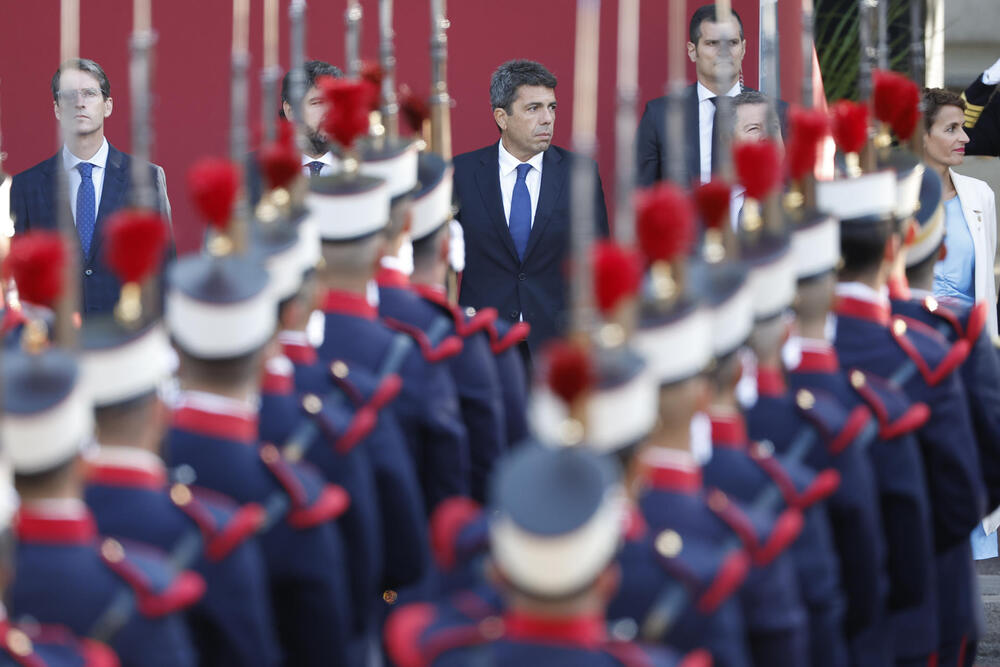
(191, 79)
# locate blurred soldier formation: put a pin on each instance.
(372, 422)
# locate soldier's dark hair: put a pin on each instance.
(935, 98)
(862, 246)
(314, 70)
(229, 372)
(513, 74)
(707, 13)
(84, 65)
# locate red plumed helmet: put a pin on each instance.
(806, 129)
(214, 183)
(36, 262)
(372, 72)
(281, 161)
(712, 200)
(350, 102)
(896, 100)
(135, 243)
(617, 275)
(569, 370)
(849, 125)
(758, 166)
(664, 222)
(413, 108)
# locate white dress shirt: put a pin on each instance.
(508, 177)
(736, 197)
(330, 161)
(706, 117)
(100, 161)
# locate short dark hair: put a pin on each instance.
(229, 371)
(512, 75)
(707, 13)
(425, 250)
(84, 65)
(935, 98)
(862, 245)
(757, 97)
(314, 70)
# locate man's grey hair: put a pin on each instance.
(84, 65)
(757, 97)
(512, 75)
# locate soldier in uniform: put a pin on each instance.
(554, 531)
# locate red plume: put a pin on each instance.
(372, 73)
(214, 183)
(664, 222)
(569, 370)
(849, 125)
(758, 166)
(712, 200)
(136, 239)
(806, 129)
(281, 161)
(350, 101)
(413, 108)
(35, 262)
(617, 275)
(896, 100)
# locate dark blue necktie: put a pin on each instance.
(520, 211)
(315, 167)
(85, 208)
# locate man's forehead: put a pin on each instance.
(718, 30)
(536, 94)
(77, 76)
(751, 112)
(313, 93)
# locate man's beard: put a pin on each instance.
(318, 144)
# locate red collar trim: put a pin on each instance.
(433, 294)
(32, 526)
(242, 428)
(348, 303)
(771, 381)
(386, 277)
(729, 431)
(298, 354)
(818, 361)
(588, 631)
(864, 310)
(899, 288)
(635, 524)
(674, 478)
(112, 475)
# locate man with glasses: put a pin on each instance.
(98, 175)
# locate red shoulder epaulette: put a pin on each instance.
(728, 580)
(822, 487)
(956, 354)
(697, 658)
(447, 520)
(855, 424)
(516, 334)
(407, 647)
(446, 349)
(184, 590)
(18, 646)
(366, 414)
(974, 326)
(787, 529)
(472, 605)
(331, 502)
(219, 540)
(464, 326)
(96, 654)
(737, 521)
(915, 416)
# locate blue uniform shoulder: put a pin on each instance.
(896, 414)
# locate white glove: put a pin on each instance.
(991, 77)
(456, 246)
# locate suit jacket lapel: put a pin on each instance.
(50, 198)
(693, 156)
(112, 192)
(553, 181)
(488, 181)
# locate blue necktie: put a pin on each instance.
(315, 167)
(520, 211)
(85, 213)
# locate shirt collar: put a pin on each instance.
(728, 428)
(127, 466)
(327, 158)
(216, 416)
(862, 292)
(704, 93)
(100, 158)
(671, 469)
(587, 631)
(509, 163)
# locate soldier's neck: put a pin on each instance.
(352, 284)
(435, 276)
(725, 402)
(85, 146)
(69, 487)
(675, 435)
(244, 391)
(812, 329)
(587, 603)
(148, 442)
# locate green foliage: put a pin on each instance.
(838, 48)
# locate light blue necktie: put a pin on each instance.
(520, 211)
(85, 207)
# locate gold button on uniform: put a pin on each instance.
(669, 543)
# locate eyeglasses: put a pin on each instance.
(88, 95)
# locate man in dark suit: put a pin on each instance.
(514, 206)
(99, 177)
(713, 45)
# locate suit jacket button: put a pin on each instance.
(513, 315)
(522, 276)
(88, 272)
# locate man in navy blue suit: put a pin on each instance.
(99, 177)
(514, 200)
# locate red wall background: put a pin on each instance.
(191, 78)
